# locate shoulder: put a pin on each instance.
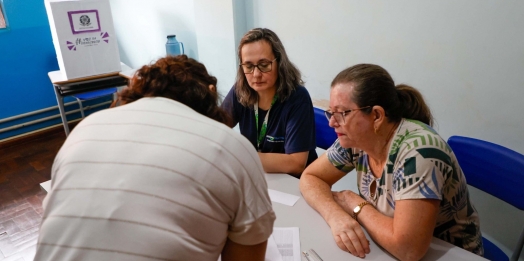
(301, 91)
(415, 132)
(149, 105)
(231, 102)
(416, 138)
(232, 93)
(299, 95)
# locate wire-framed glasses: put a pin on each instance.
(263, 66)
(340, 116)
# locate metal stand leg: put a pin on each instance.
(60, 101)
(81, 107)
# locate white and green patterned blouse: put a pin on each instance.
(420, 165)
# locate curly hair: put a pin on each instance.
(288, 74)
(178, 78)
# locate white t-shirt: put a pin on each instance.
(153, 180)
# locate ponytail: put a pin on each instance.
(413, 104)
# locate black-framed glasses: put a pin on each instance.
(340, 116)
(263, 66)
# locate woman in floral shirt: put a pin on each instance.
(410, 183)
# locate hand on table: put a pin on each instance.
(347, 232)
(347, 199)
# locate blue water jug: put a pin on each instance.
(174, 47)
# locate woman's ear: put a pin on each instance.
(379, 116)
(212, 88)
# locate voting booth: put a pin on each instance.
(84, 37)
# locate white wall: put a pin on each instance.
(206, 27)
(466, 57)
(214, 25)
(142, 28)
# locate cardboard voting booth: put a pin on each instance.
(84, 37)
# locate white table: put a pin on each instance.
(316, 234)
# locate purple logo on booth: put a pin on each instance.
(71, 46)
(88, 41)
(105, 35)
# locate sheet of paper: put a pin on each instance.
(288, 242)
(272, 253)
(283, 198)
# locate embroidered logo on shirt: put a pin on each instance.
(274, 139)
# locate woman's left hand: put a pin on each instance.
(347, 199)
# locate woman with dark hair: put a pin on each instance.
(410, 184)
(273, 110)
(160, 177)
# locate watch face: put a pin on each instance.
(356, 209)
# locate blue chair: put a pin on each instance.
(326, 136)
(93, 95)
(496, 170)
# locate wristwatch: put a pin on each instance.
(358, 208)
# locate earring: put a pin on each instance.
(375, 128)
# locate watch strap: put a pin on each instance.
(361, 205)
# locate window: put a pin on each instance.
(3, 24)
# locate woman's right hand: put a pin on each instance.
(315, 185)
(347, 232)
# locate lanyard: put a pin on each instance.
(263, 130)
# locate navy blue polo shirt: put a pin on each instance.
(290, 128)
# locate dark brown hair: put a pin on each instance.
(288, 75)
(374, 86)
(179, 78)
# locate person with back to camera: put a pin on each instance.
(158, 178)
(273, 110)
(410, 183)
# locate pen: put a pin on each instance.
(306, 255)
(315, 255)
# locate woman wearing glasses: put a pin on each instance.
(272, 109)
(410, 183)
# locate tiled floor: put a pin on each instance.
(22, 168)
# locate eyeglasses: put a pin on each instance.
(341, 115)
(263, 66)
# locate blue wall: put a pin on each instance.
(27, 54)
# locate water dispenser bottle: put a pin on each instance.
(174, 47)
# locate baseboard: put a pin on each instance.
(36, 135)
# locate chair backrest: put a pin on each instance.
(325, 134)
(492, 168)
(496, 170)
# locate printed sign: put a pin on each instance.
(85, 21)
(84, 37)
